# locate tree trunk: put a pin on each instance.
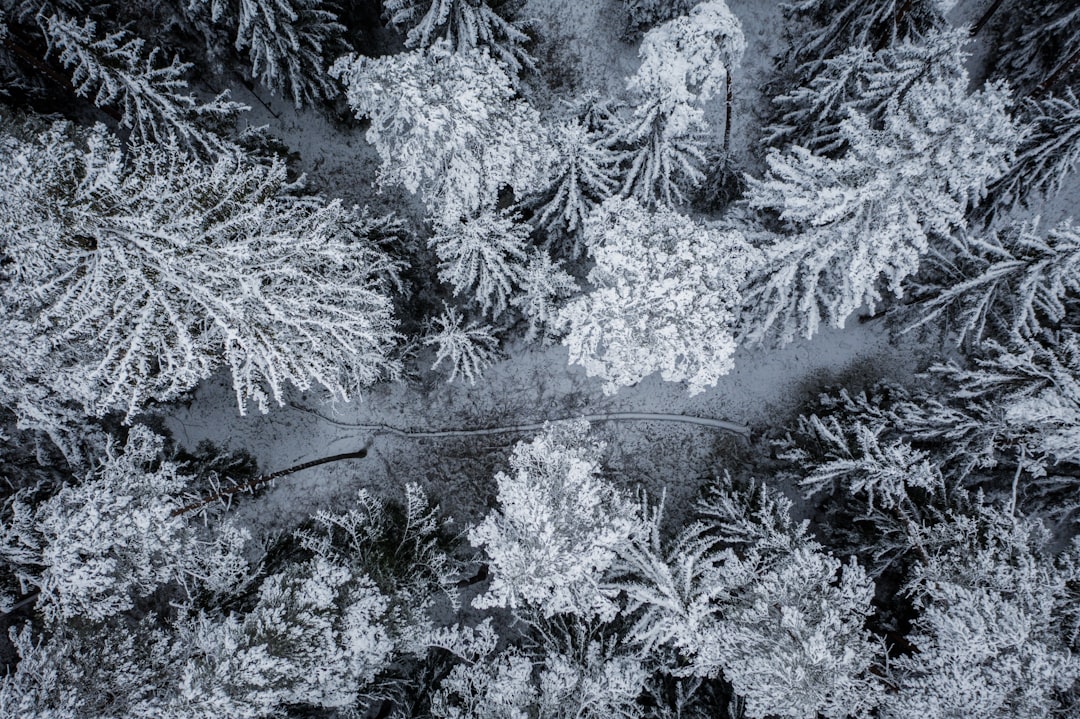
(727, 113)
(263, 479)
(981, 22)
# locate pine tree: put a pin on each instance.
(147, 276)
(866, 218)
(468, 348)
(665, 292)
(464, 24)
(152, 95)
(315, 636)
(859, 80)
(483, 257)
(684, 62)
(643, 14)
(1040, 47)
(447, 125)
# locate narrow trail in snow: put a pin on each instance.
(720, 424)
(723, 425)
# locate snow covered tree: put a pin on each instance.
(1047, 155)
(468, 348)
(543, 284)
(746, 592)
(121, 670)
(151, 94)
(482, 257)
(866, 218)
(558, 528)
(315, 636)
(988, 637)
(830, 27)
(496, 687)
(447, 124)
(588, 675)
(1040, 47)
(1009, 286)
(665, 293)
(865, 82)
(586, 173)
(1024, 403)
(684, 62)
(95, 548)
(145, 277)
(289, 43)
(644, 14)
(464, 24)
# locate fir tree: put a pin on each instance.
(866, 218)
(464, 24)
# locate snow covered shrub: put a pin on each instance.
(95, 548)
(558, 528)
(482, 257)
(684, 62)
(665, 293)
(463, 24)
(865, 219)
(147, 276)
(447, 125)
(468, 348)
